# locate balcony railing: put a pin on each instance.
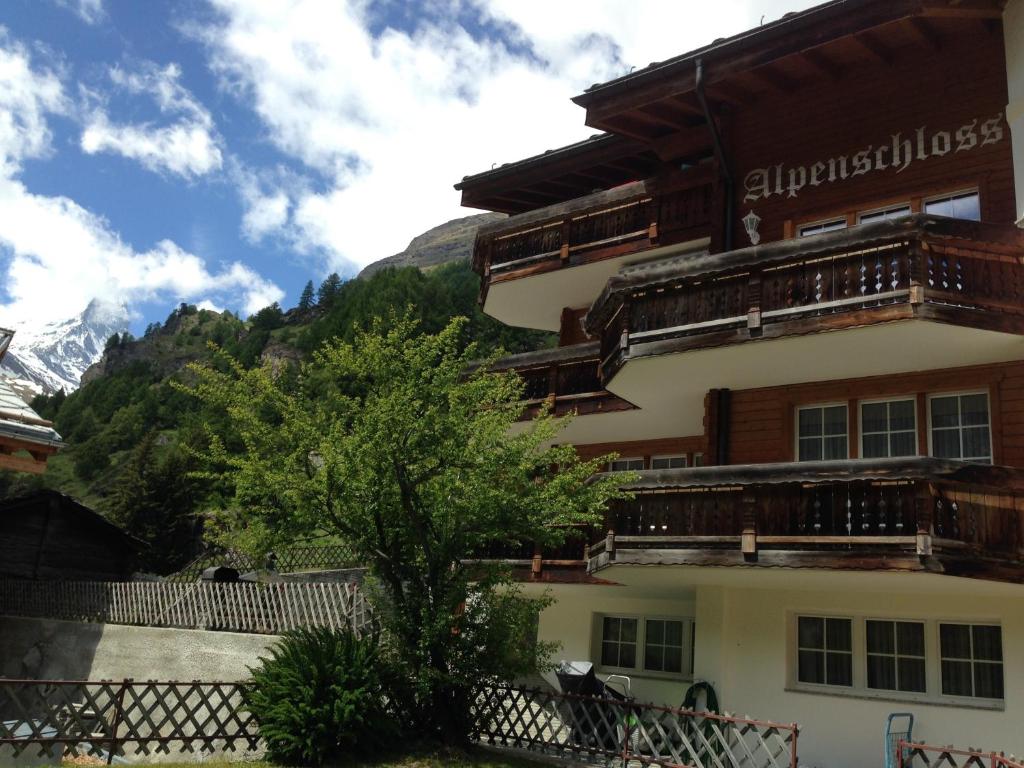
(917, 506)
(565, 377)
(921, 266)
(629, 218)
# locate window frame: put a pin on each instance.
(643, 463)
(896, 655)
(825, 651)
(688, 636)
(909, 205)
(796, 428)
(822, 223)
(683, 456)
(912, 399)
(970, 623)
(951, 195)
(859, 690)
(958, 394)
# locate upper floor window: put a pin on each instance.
(962, 205)
(888, 428)
(822, 226)
(627, 465)
(960, 427)
(892, 212)
(822, 433)
(668, 462)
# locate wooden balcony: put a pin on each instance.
(628, 219)
(910, 514)
(566, 378)
(920, 267)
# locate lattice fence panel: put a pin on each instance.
(54, 717)
(246, 607)
(911, 755)
(640, 734)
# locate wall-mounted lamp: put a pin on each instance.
(750, 223)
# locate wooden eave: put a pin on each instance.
(825, 42)
(559, 175)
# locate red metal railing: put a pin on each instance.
(912, 755)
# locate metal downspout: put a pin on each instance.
(723, 166)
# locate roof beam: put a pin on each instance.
(963, 9)
(774, 79)
(822, 63)
(631, 125)
(868, 43)
(923, 31)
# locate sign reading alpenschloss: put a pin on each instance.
(898, 154)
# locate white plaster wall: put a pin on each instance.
(569, 621)
(843, 732)
(741, 648)
(1013, 32)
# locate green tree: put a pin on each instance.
(329, 290)
(306, 299)
(154, 499)
(268, 318)
(390, 444)
(112, 343)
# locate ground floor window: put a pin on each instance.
(922, 660)
(654, 644)
(972, 660)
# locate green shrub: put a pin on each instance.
(322, 696)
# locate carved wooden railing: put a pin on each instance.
(629, 218)
(926, 266)
(920, 505)
(566, 377)
(572, 550)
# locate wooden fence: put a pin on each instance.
(238, 607)
(578, 727)
(53, 717)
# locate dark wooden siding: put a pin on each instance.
(50, 536)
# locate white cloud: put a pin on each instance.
(58, 255)
(188, 147)
(89, 11)
(391, 121)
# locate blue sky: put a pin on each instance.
(226, 151)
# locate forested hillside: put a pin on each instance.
(128, 429)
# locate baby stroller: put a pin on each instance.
(594, 725)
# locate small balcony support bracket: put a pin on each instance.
(748, 537)
(609, 545)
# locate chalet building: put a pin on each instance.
(26, 441)
(789, 286)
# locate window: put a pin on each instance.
(963, 205)
(960, 427)
(822, 226)
(893, 212)
(698, 459)
(895, 655)
(825, 651)
(972, 660)
(821, 433)
(888, 428)
(656, 644)
(618, 642)
(626, 465)
(668, 462)
(663, 645)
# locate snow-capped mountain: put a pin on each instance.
(54, 356)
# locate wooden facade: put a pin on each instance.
(48, 535)
(821, 118)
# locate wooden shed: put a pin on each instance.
(47, 535)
